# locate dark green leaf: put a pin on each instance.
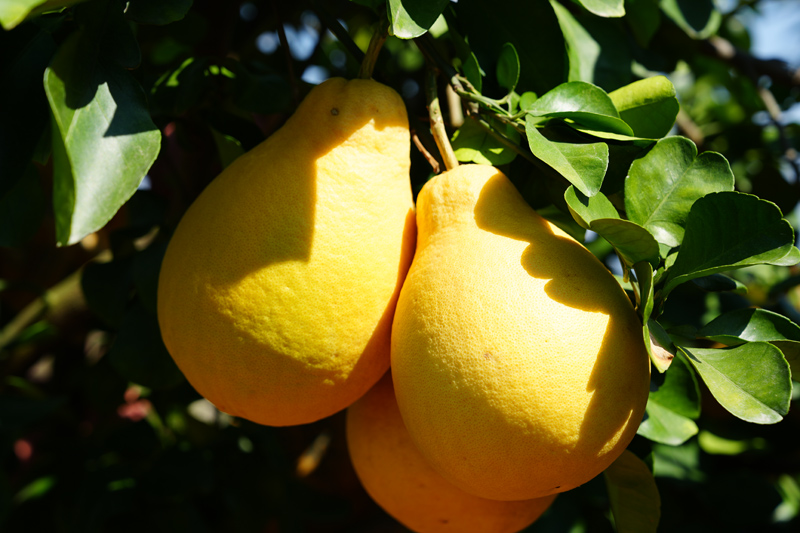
(679, 391)
(585, 209)
(644, 18)
(260, 92)
(633, 493)
(472, 143)
(729, 230)
(699, 18)
(752, 381)
(584, 103)
(157, 11)
(100, 116)
(531, 26)
(750, 324)
(605, 8)
(583, 165)
(662, 186)
(26, 52)
(139, 354)
(508, 67)
(644, 277)
(649, 106)
(720, 283)
(107, 289)
(22, 209)
(632, 242)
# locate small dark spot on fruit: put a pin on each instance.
(444, 520)
(558, 487)
(334, 111)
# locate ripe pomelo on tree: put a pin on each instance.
(400, 480)
(277, 290)
(518, 361)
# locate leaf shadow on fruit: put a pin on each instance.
(582, 283)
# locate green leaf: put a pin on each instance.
(583, 165)
(508, 67)
(158, 12)
(633, 494)
(585, 209)
(752, 381)
(104, 141)
(720, 283)
(632, 242)
(750, 324)
(729, 230)
(662, 186)
(581, 102)
(531, 26)
(411, 18)
(698, 18)
(605, 8)
(649, 106)
(473, 144)
(666, 426)
(13, 12)
(583, 51)
(139, 354)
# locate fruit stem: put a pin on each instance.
(375, 45)
(437, 122)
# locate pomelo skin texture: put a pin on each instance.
(277, 289)
(518, 361)
(398, 478)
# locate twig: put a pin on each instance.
(429, 157)
(374, 49)
(437, 123)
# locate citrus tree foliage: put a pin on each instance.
(644, 128)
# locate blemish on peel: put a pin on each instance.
(335, 111)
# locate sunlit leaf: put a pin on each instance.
(605, 8)
(412, 18)
(583, 51)
(632, 242)
(585, 209)
(662, 186)
(649, 106)
(673, 405)
(104, 140)
(752, 381)
(730, 230)
(583, 103)
(583, 165)
(473, 144)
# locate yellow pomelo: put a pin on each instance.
(398, 478)
(518, 361)
(277, 290)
